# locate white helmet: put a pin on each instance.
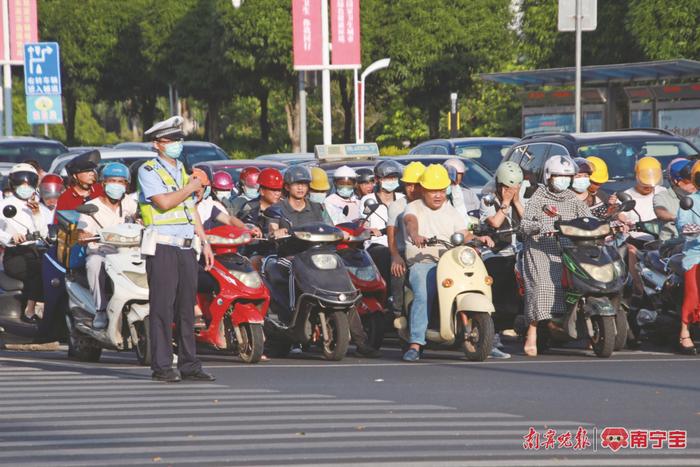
(559, 165)
(457, 164)
(344, 172)
(23, 167)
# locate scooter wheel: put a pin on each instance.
(478, 343)
(335, 345)
(374, 327)
(142, 346)
(82, 348)
(251, 349)
(621, 329)
(603, 335)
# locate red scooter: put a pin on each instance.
(236, 301)
(366, 278)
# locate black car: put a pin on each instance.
(16, 149)
(620, 149)
(487, 151)
(192, 151)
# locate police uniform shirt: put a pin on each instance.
(150, 185)
(24, 222)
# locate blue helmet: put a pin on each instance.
(116, 169)
(679, 169)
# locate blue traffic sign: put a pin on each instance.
(44, 109)
(42, 69)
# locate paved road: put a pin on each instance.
(302, 410)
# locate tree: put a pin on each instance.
(666, 30)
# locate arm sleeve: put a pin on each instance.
(395, 210)
(683, 218)
(5, 236)
(471, 201)
(486, 211)
(531, 223)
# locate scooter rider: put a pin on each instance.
(249, 191)
(598, 200)
(221, 186)
(542, 267)
(23, 262)
(50, 189)
(319, 186)
(430, 216)
(82, 171)
(343, 205)
(365, 182)
(667, 203)
(113, 209)
(464, 199)
(168, 211)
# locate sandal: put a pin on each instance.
(687, 350)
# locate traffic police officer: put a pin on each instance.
(169, 243)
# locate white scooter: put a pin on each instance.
(464, 302)
(127, 310)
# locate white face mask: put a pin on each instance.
(222, 195)
(560, 184)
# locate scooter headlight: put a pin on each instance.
(325, 261)
(249, 279)
(600, 273)
(467, 257)
(139, 279)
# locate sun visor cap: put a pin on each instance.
(84, 162)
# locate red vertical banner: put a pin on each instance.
(23, 26)
(307, 35)
(345, 32)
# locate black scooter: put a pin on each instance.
(12, 329)
(323, 291)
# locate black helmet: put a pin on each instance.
(84, 162)
(388, 168)
(364, 175)
(297, 174)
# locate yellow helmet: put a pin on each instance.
(600, 170)
(648, 171)
(435, 177)
(413, 172)
(319, 180)
(695, 174)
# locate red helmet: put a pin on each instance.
(222, 181)
(249, 177)
(271, 178)
(51, 186)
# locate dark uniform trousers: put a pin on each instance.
(172, 282)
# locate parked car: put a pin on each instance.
(475, 177)
(289, 158)
(192, 151)
(15, 149)
(619, 149)
(125, 156)
(234, 166)
(488, 152)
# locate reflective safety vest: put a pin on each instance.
(180, 214)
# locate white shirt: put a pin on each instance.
(24, 222)
(336, 204)
(396, 210)
(47, 213)
(644, 206)
(107, 216)
(440, 223)
(464, 199)
(379, 218)
(206, 207)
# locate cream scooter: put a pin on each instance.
(127, 309)
(464, 301)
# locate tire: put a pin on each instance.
(374, 327)
(81, 347)
(621, 328)
(142, 346)
(335, 346)
(277, 348)
(477, 346)
(603, 335)
(251, 349)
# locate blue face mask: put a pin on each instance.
(317, 197)
(24, 191)
(173, 149)
(251, 193)
(581, 184)
(560, 184)
(115, 190)
(390, 185)
(345, 191)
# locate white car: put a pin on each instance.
(125, 156)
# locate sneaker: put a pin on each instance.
(497, 341)
(498, 353)
(411, 355)
(296, 349)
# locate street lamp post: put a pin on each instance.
(360, 97)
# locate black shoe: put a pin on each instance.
(34, 319)
(199, 375)
(367, 352)
(167, 376)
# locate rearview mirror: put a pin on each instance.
(622, 196)
(628, 205)
(370, 206)
(489, 200)
(9, 211)
(686, 204)
(88, 209)
(457, 238)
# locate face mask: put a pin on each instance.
(251, 193)
(448, 191)
(560, 184)
(222, 195)
(174, 149)
(115, 190)
(345, 191)
(207, 192)
(317, 197)
(390, 185)
(581, 184)
(24, 191)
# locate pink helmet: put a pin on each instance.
(222, 181)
